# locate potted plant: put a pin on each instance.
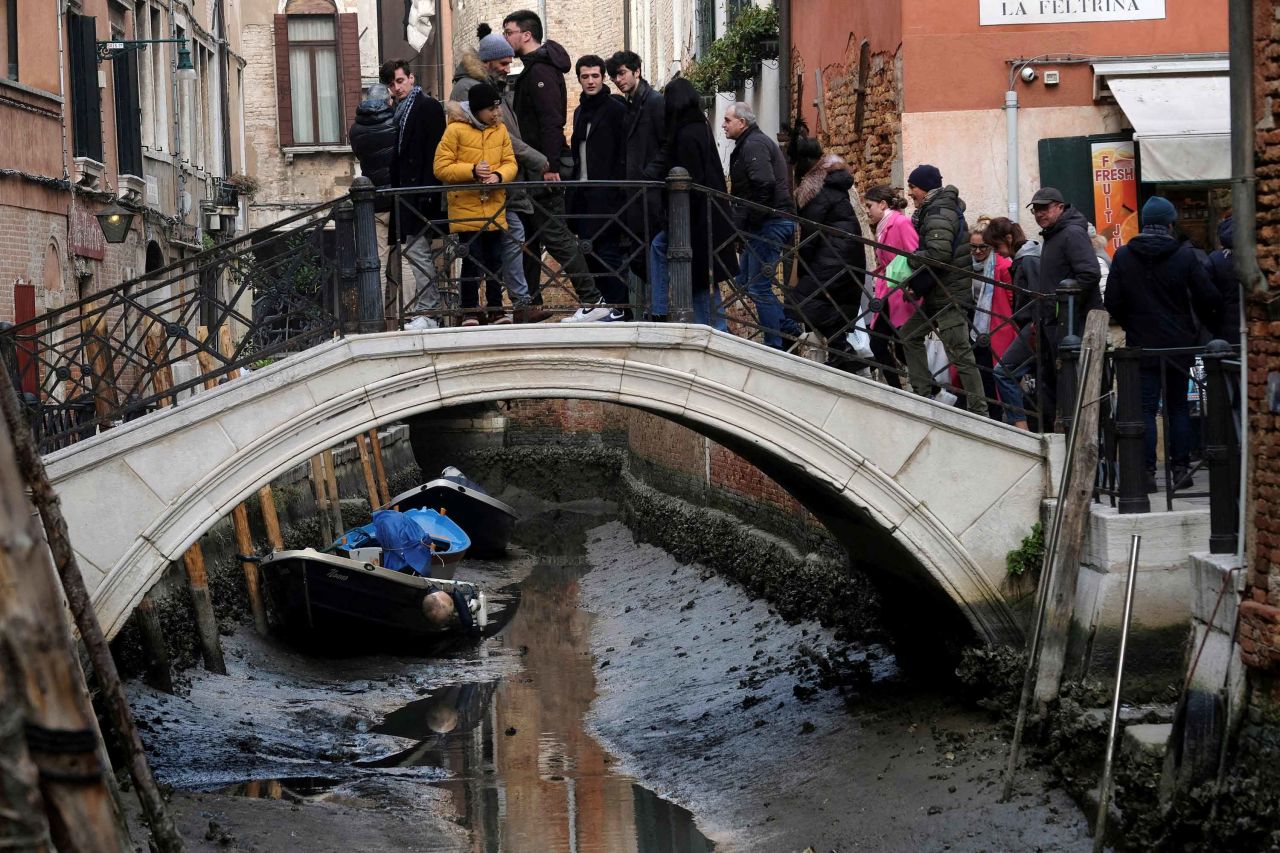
(735, 57)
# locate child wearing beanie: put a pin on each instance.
(476, 149)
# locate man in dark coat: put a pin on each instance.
(540, 103)
(1155, 291)
(645, 135)
(416, 219)
(373, 135)
(1222, 271)
(758, 174)
(939, 220)
(598, 145)
(1066, 252)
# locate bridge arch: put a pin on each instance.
(948, 492)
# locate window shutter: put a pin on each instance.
(128, 115)
(86, 102)
(349, 68)
(284, 91)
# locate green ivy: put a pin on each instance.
(1028, 556)
(751, 38)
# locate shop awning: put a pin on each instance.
(1181, 122)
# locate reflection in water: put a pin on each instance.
(527, 775)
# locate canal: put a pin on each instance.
(628, 702)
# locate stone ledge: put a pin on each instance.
(1168, 538)
(1210, 605)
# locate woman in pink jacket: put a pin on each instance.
(893, 230)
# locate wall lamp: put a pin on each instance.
(111, 49)
(114, 221)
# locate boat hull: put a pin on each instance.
(488, 521)
(322, 595)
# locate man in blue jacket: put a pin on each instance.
(1156, 282)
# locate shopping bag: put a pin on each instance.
(939, 364)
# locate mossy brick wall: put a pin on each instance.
(1259, 628)
(871, 148)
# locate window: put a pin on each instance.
(313, 72)
(9, 24)
(86, 103)
(124, 74)
(317, 77)
(706, 25)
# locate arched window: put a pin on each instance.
(317, 73)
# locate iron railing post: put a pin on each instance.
(1131, 432)
(679, 245)
(1217, 451)
(1068, 351)
(348, 301)
(367, 266)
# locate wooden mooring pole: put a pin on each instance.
(269, 517)
(382, 471)
(321, 488)
(159, 670)
(335, 503)
(77, 599)
(366, 463)
(206, 622)
(244, 545)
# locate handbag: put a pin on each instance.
(922, 280)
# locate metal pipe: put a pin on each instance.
(1011, 154)
(1244, 249)
(1042, 592)
(784, 61)
(1104, 789)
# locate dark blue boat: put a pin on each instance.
(488, 521)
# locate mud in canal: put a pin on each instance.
(629, 703)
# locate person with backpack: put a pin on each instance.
(941, 280)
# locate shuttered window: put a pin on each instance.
(128, 114)
(86, 102)
(317, 77)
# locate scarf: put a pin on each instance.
(918, 214)
(983, 292)
(590, 105)
(402, 114)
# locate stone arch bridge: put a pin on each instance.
(928, 497)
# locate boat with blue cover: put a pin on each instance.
(488, 521)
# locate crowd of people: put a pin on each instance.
(976, 309)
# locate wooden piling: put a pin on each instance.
(206, 622)
(24, 826)
(74, 597)
(159, 670)
(162, 375)
(1075, 513)
(269, 517)
(224, 347)
(208, 364)
(366, 463)
(383, 485)
(335, 502)
(98, 357)
(244, 545)
(320, 487)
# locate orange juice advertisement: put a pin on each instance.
(1115, 192)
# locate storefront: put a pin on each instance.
(1179, 147)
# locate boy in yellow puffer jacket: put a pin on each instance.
(476, 149)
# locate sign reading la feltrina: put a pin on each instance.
(998, 12)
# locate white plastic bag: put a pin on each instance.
(939, 364)
(859, 340)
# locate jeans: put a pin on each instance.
(758, 263)
(513, 260)
(659, 283)
(1019, 360)
(421, 252)
(482, 261)
(1176, 407)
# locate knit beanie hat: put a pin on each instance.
(494, 46)
(926, 177)
(1158, 211)
(481, 96)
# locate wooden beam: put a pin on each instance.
(206, 622)
(335, 502)
(269, 517)
(1065, 572)
(244, 545)
(320, 487)
(377, 461)
(366, 464)
(208, 364)
(159, 669)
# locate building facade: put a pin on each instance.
(92, 112)
(1110, 105)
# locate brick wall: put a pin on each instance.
(1259, 628)
(872, 148)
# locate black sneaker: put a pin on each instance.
(1152, 486)
(1182, 478)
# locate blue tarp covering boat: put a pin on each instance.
(419, 539)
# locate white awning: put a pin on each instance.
(1182, 124)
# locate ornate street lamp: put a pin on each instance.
(115, 221)
(111, 49)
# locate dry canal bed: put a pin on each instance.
(631, 703)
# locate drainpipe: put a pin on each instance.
(1243, 182)
(1011, 153)
(784, 61)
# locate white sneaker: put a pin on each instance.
(421, 324)
(588, 314)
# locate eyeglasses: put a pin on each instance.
(979, 248)
(1041, 208)
(515, 31)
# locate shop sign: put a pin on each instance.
(999, 12)
(1115, 192)
(87, 240)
